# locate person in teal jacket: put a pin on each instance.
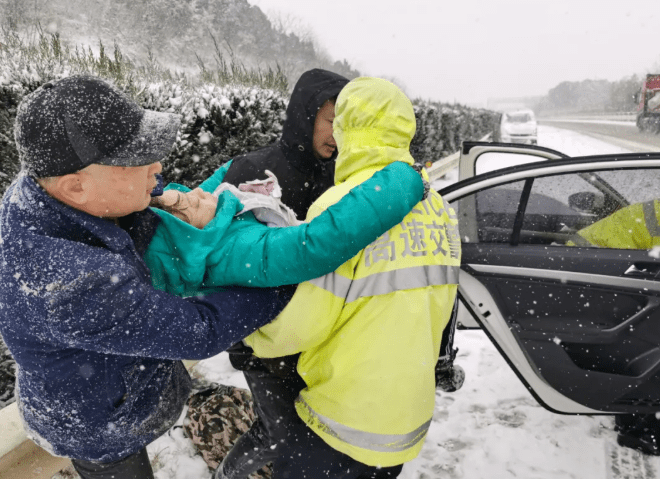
(241, 251)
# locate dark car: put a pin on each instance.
(579, 325)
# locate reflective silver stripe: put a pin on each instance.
(652, 224)
(334, 283)
(387, 281)
(367, 440)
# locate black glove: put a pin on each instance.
(418, 167)
(158, 190)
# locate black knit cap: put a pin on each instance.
(69, 124)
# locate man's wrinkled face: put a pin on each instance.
(118, 191)
(323, 144)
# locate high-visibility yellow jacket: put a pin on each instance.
(633, 227)
(370, 332)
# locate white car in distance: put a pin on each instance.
(517, 126)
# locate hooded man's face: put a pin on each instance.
(323, 144)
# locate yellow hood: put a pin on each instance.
(374, 124)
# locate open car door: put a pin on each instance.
(578, 322)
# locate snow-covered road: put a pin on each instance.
(490, 429)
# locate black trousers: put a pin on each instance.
(273, 398)
(304, 455)
(135, 466)
(279, 435)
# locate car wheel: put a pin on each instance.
(655, 126)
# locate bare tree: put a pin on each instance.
(15, 13)
(289, 24)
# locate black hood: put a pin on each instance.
(312, 90)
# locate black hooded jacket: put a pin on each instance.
(302, 176)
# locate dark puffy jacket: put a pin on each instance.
(302, 176)
(97, 346)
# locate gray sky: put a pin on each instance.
(471, 50)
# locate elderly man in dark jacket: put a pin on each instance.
(98, 348)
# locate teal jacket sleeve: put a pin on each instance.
(241, 251)
(212, 182)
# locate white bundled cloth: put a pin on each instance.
(263, 198)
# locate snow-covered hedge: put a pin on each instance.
(7, 376)
(9, 164)
(218, 123)
(441, 128)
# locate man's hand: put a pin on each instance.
(196, 207)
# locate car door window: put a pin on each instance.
(560, 206)
(610, 209)
(491, 161)
(495, 210)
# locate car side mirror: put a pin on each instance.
(586, 202)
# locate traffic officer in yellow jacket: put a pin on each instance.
(370, 332)
(634, 227)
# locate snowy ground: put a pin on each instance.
(491, 428)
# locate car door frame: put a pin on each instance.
(469, 154)
(485, 310)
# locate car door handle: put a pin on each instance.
(643, 270)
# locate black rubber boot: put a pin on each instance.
(448, 376)
(135, 466)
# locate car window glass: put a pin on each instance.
(496, 160)
(608, 209)
(495, 210)
(635, 185)
(519, 118)
(558, 206)
(629, 221)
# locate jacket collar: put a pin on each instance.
(40, 212)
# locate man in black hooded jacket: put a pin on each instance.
(303, 162)
(303, 158)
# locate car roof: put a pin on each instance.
(521, 110)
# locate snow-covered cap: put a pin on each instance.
(69, 124)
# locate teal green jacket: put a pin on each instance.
(241, 251)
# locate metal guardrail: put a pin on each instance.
(441, 167)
